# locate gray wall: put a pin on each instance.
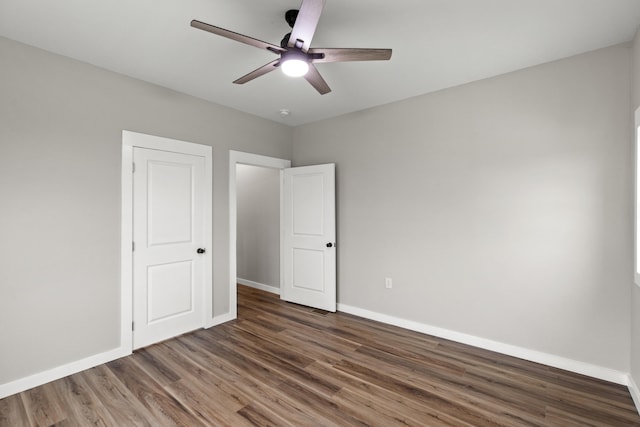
(501, 208)
(258, 242)
(635, 293)
(61, 125)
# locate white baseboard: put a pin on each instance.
(22, 384)
(35, 380)
(261, 286)
(40, 378)
(26, 383)
(635, 392)
(583, 368)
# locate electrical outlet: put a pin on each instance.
(388, 282)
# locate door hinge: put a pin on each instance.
(133, 326)
(133, 246)
(133, 167)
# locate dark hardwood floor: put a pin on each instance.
(281, 364)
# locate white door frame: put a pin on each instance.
(235, 158)
(636, 239)
(134, 139)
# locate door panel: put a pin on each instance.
(308, 244)
(308, 269)
(170, 207)
(168, 215)
(170, 290)
(308, 212)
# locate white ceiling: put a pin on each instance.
(436, 44)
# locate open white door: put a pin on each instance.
(309, 236)
(169, 194)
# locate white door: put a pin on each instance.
(309, 236)
(168, 257)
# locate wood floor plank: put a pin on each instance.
(282, 364)
(123, 406)
(571, 403)
(409, 391)
(320, 406)
(496, 362)
(258, 415)
(237, 361)
(391, 335)
(565, 397)
(522, 409)
(44, 406)
(85, 407)
(387, 398)
(269, 345)
(12, 412)
(311, 337)
(209, 403)
(314, 345)
(166, 409)
(200, 385)
(160, 372)
(559, 418)
(596, 399)
(374, 412)
(266, 390)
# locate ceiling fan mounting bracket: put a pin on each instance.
(290, 16)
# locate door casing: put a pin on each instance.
(235, 158)
(134, 139)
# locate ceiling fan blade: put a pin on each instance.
(237, 37)
(258, 72)
(344, 55)
(313, 76)
(306, 24)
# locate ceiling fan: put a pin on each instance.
(296, 57)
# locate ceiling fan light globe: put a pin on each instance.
(295, 67)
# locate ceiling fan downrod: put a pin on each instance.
(289, 16)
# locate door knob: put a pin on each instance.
(201, 250)
(329, 245)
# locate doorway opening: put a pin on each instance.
(258, 227)
(262, 162)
